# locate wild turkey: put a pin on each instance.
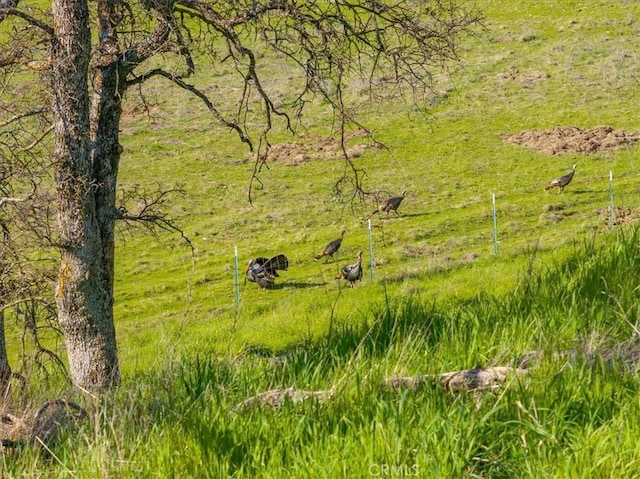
(271, 265)
(263, 271)
(352, 272)
(562, 181)
(389, 205)
(332, 247)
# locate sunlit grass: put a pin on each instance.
(450, 163)
(562, 283)
(570, 415)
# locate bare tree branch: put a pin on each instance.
(35, 142)
(22, 115)
(84, 68)
(10, 200)
(182, 84)
(149, 207)
(6, 11)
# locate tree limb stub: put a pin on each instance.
(10, 200)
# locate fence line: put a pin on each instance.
(370, 236)
(495, 224)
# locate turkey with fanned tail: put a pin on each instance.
(264, 271)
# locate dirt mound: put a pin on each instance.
(314, 147)
(621, 216)
(559, 140)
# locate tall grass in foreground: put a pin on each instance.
(573, 415)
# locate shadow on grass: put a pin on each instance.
(570, 192)
(402, 215)
(333, 261)
(386, 324)
(298, 285)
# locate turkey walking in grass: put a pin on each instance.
(332, 247)
(389, 205)
(562, 181)
(352, 272)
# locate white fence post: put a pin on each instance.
(495, 224)
(612, 212)
(237, 282)
(370, 252)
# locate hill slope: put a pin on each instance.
(539, 68)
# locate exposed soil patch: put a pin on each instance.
(314, 147)
(559, 140)
(517, 77)
(417, 251)
(621, 216)
(555, 213)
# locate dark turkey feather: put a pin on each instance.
(257, 274)
(279, 262)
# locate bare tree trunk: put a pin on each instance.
(5, 369)
(84, 292)
(109, 87)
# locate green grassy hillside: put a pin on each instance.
(562, 291)
(572, 414)
(532, 68)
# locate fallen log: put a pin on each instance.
(476, 379)
(277, 397)
(43, 427)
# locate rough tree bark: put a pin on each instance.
(84, 292)
(5, 368)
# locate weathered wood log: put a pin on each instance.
(476, 379)
(277, 397)
(625, 354)
(53, 417)
(12, 430)
(531, 358)
(43, 427)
